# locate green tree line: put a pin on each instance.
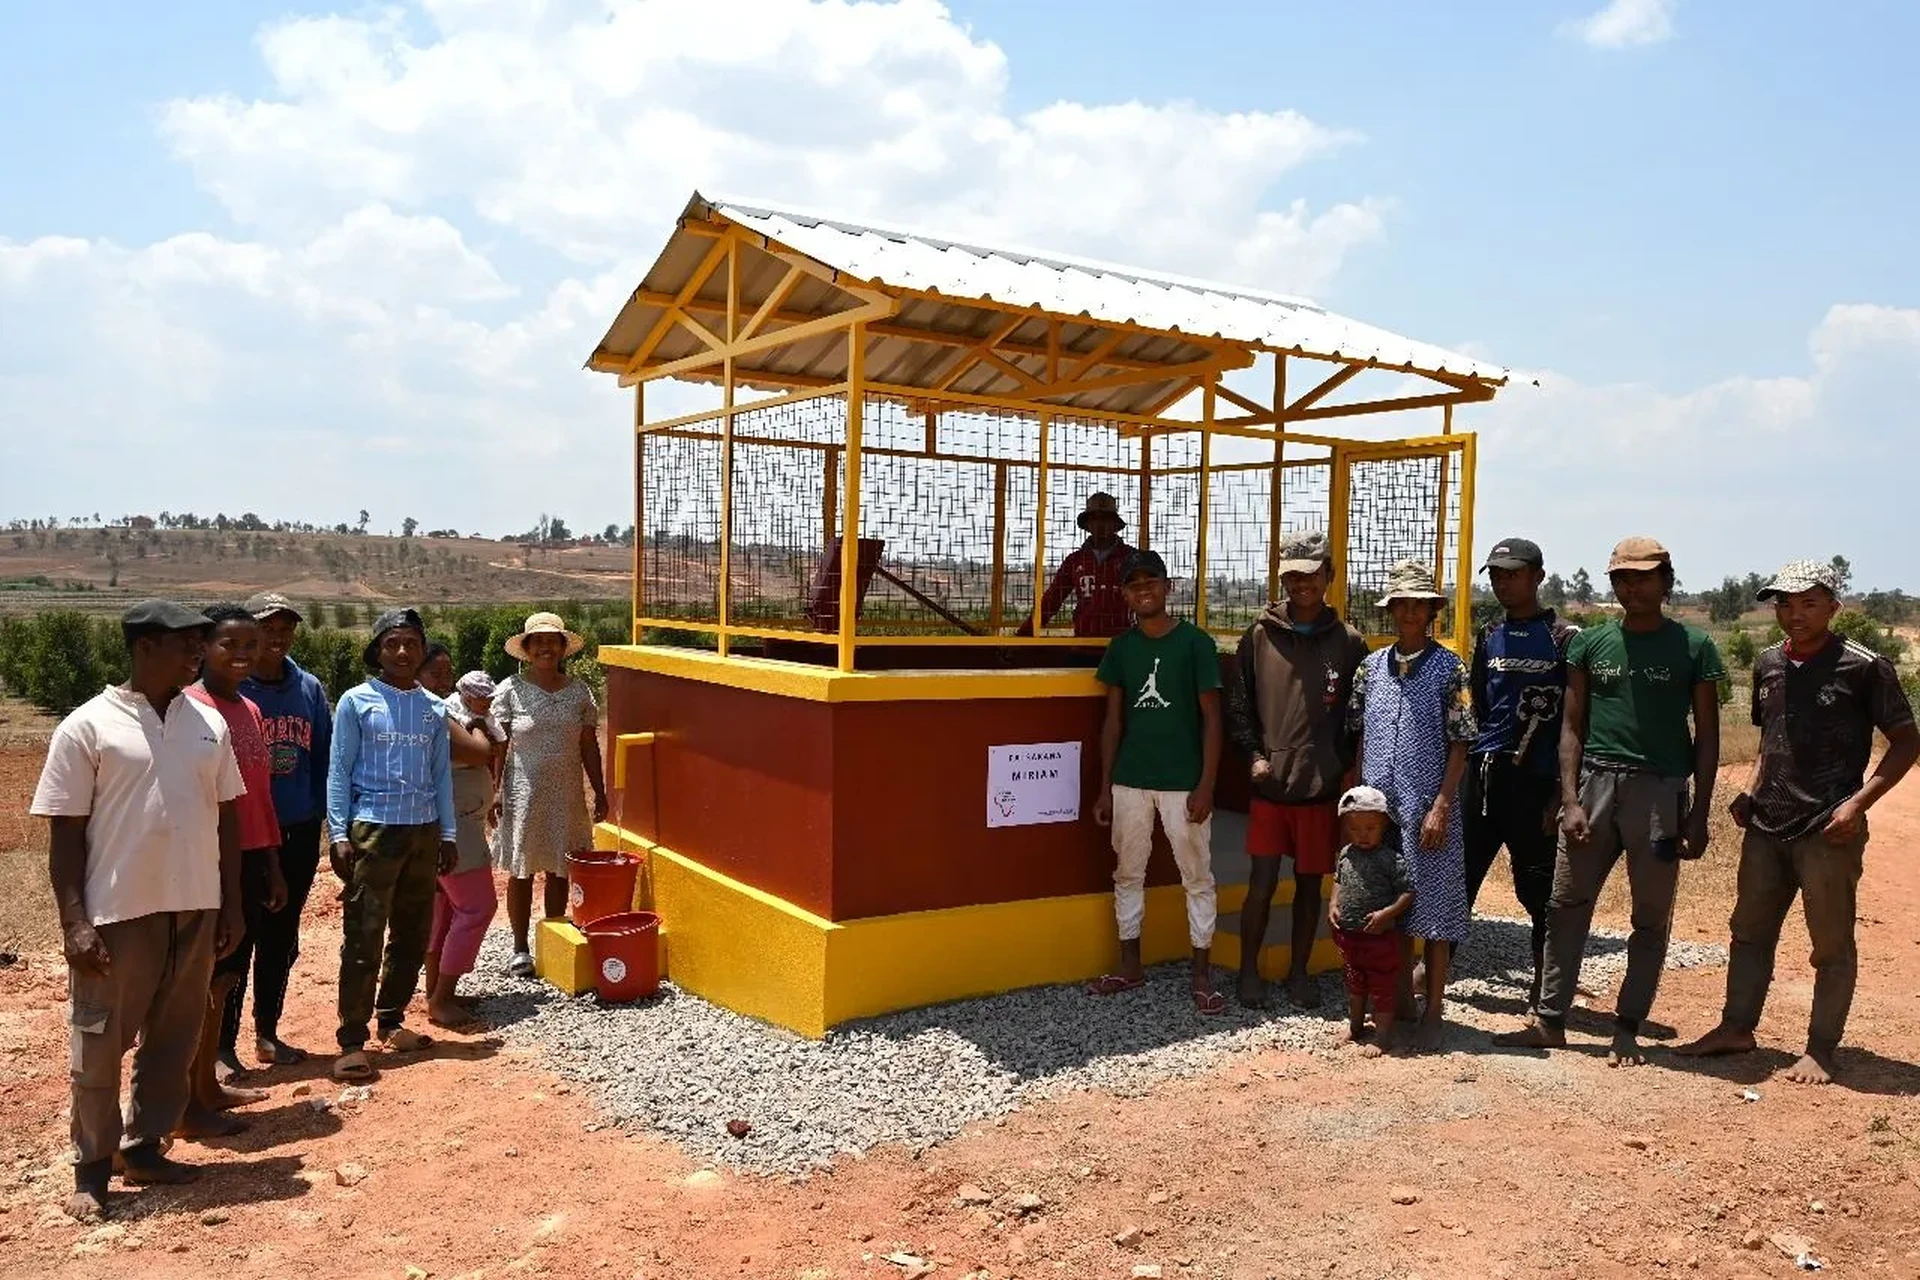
(58, 659)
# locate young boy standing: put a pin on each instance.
(1626, 750)
(1817, 700)
(1160, 754)
(1518, 679)
(1372, 890)
(391, 814)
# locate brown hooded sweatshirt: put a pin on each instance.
(1289, 703)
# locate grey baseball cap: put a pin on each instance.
(1801, 575)
(1363, 800)
(156, 617)
(267, 603)
(1304, 552)
(1515, 553)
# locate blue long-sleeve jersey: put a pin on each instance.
(391, 760)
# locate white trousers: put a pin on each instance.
(1133, 811)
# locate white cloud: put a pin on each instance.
(1625, 23)
(1736, 475)
(442, 207)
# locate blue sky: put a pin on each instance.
(1694, 228)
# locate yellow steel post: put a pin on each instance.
(830, 494)
(639, 507)
(1144, 533)
(1463, 586)
(1040, 518)
(1440, 511)
(1276, 488)
(933, 432)
(726, 448)
(1337, 495)
(850, 525)
(997, 599)
(1208, 400)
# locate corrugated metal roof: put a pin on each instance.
(939, 278)
(1073, 287)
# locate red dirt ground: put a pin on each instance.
(480, 1163)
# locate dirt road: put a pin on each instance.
(474, 1161)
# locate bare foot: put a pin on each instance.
(147, 1165)
(1371, 1051)
(1427, 1036)
(1722, 1039)
(277, 1053)
(451, 1015)
(1625, 1050)
(227, 1066)
(226, 1097)
(1253, 991)
(202, 1122)
(1811, 1069)
(1536, 1035)
(1352, 1033)
(1303, 992)
(87, 1204)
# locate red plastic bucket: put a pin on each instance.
(626, 955)
(600, 883)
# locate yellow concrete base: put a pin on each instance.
(560, 956)
(762, 956)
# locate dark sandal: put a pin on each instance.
(1113, 984)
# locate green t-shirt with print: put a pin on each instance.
(1160, 682)
(1640, 692)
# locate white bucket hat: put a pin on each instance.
(543, 624)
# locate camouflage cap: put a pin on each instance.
(1304, 552)
(1410, 580)
(1801, 575)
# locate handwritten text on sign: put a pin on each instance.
(1033, 782)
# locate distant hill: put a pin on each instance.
(103, 568)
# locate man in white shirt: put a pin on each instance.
(139, 786)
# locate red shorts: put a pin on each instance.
(1308, 833)
(1373, 963)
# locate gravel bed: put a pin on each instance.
(684, 1068)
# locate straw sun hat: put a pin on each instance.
(543, 624)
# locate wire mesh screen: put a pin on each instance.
(1173, 511)
(680, 511)
(1400, 508)
(1239, 515)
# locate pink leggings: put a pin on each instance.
(461, 911)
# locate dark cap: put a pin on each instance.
(267, 603)
(1147, 562)
(391, 620)
(1515, 553)
(157, 617)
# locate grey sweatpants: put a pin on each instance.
(1825, 876)
(1638, 815)
(155, 990)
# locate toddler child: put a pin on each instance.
(1372, 889)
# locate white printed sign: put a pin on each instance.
(1032, 783)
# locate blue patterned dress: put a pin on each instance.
(1408, 714)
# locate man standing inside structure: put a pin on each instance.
(145, 860)
(1287, 710)
(1626, 751)
(1518, 679)
(1091, 575)
(1817, 699)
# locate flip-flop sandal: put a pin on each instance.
(406, 1040)
(521, 966)
(1209, 1002)
(351, 1068)
(283, 1055)
(1113, 984)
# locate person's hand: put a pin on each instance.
(599, 806)
(84, 947)
(1103, 807)
(1845, 823)
(1262, 769)
(277, 894)
(1574, 825)
(1740, 809)
(1433, 828)
(1379, 921)
(1693, 836)
(449, 854)
(340, 856)
(1199, 805)
(230, 931)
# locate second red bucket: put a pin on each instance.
(626, 955)
(600, 883)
